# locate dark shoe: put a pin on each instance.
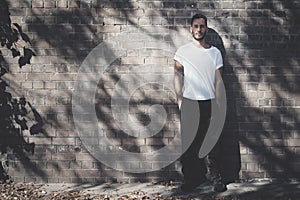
(218, 184)
(219, 187)
(188, 187)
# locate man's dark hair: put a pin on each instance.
(199, 16)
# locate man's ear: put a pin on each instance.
(191, 30)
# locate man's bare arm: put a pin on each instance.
(178, 82)
(218, 83)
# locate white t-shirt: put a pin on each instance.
(199, 66)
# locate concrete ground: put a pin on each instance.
(263, 189)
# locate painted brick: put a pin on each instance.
(73, 3)
(37, 4)
(63, 157)
(49, 4)
(62, 3)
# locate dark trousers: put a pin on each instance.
(195, 120)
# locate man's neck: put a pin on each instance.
(201, 43)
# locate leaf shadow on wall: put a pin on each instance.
(67, 35)
(18, 118)
(265, 63)
(253, 137)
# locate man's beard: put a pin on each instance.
(200, 38)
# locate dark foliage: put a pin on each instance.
(14, 112)
(10, 35)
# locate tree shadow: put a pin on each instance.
(18, 118)
(263, 128)
(81, 29)
(226, 152)
(246, 191)
(264, 63)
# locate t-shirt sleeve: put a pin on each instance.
(178, 58)
(219, 60)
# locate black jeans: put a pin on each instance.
(193, 131)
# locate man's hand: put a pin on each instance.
(179, 102)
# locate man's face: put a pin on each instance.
(198, 29)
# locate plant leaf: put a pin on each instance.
(28, 52)
(9, 45)
(22, 61)
(25, 37)
(18, 27)
(2, 71)
(15, 52)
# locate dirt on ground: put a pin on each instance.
(237, 191)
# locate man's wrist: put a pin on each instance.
(179, 99)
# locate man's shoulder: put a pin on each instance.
(214, 49)
(185, 46)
